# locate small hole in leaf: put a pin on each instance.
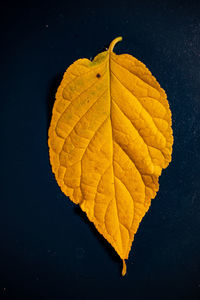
(98, 75)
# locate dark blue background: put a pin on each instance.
(48, 248)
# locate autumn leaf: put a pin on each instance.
(109, 139)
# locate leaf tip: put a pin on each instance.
(124, 268)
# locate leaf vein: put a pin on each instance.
(140, 174)
(134, 128)
(136, 75)
(138, 102)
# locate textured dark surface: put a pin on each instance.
(48, 248)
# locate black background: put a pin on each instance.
(48, 248)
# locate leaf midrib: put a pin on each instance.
(112, 159)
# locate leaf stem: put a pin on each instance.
(114, 42)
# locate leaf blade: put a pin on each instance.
(109, 139)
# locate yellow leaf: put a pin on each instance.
(109, 139)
